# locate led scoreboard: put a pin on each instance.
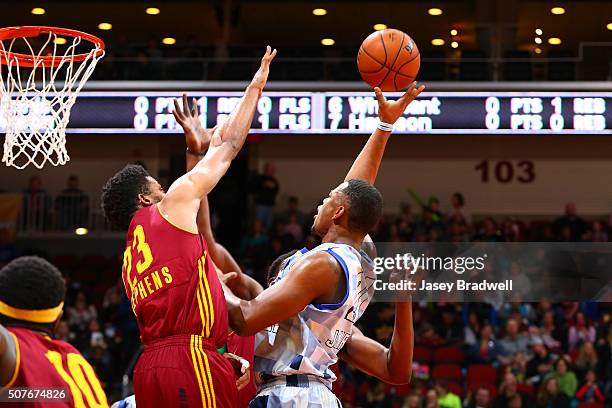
(348, 112)
(478, 113)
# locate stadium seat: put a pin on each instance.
(422, 354)
(452, 355)
(526, 389)
(447, 372)
(64, 263)
(456, 388)
(95, 262)
(402, 390)
(591, 405)
(481, 373)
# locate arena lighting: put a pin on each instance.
(328, 41)
(437, 41)
(539, 31)
(60, 41)
(434, 11)
(554, 41)
(38, 11)
(380, 26)
(319, 12)
(105, 26)
(538, 40)
(81, 231)
(538, 50)
(169, 41)
(455, 44)
(153, 11)
(609, 26)
(454, 32)
(557, 10)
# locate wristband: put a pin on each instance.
(385, 127)
(201, 154)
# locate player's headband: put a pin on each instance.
(29, 315)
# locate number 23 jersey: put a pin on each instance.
(171, 283)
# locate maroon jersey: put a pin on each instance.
(182, 316)
(172, 284)
(43, 362)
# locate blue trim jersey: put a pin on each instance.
(309, 342)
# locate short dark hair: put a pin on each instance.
(120, 195)
(31, 282)
(460, 199)
(276, 265)
(365, 205)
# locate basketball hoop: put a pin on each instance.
(41, 74)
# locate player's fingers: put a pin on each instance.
(379, 95)
(229, 276)
(194, 108)
(268, 51)
(177, 111)
(242, 382)
(270, 54)
(409, 94)
(186, 109)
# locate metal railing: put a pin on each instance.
(342, 67)
(67, 213)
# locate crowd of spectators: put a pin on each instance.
(40, 212)
(540, 354)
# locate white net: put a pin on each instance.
(35, 101)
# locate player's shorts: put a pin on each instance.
(184, 371)
(295, 391)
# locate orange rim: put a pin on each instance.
(26, 60)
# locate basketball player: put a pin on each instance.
(392, 365)
(319, 294)
(31, 302)
(197, 140)
(167, 274)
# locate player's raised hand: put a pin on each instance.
(196, 137)
(390, 111)
(261, 76)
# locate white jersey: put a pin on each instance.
(309, 342)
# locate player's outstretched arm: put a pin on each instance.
(310, 279)
(366, 165)
(241, 284)
(8, 358)
(184, 195)
(197, 140)
(392, 365)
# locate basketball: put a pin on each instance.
(388, 59)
